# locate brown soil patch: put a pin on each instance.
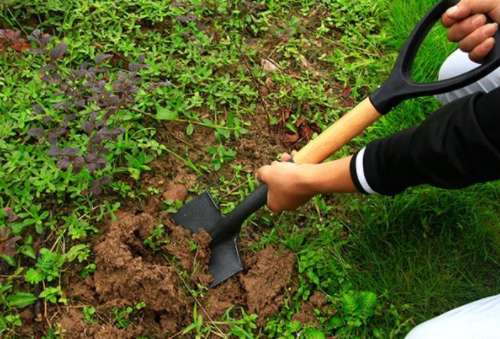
(306, 314)
(270, 276)
(129, 273)
(76, 328)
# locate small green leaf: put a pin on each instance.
(189, 328)
(230, 119)
(39, 228)
(80, 251)
(336, 322)
(9, 260)
(21, 299)
(192, 246)
(44, 215)
(163, 113)
(28, 222)
(28, 251)
(134, 173)
(190, 129)
(313, 334)
(33, 276)
(3, 323)
(208, 123)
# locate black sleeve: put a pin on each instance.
(457, 146)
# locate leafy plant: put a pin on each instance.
(242, 328)
(12, 39)
(158, 238)
(53, 295)
(89, 314)
(196, 327)
(8, 324)
(122, 318)
(357, 308)
(137, 164)
(21, 299)
(34, 216)
(94, 102)
(220, 155)
(47, 267)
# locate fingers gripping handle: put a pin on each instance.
(400, 86)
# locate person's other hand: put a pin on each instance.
(469, 26)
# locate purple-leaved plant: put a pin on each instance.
(78, 88)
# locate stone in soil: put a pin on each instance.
(176, 192)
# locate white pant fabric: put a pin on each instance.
(479, 319)
(458, 63)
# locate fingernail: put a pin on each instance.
(452, 10)
(487, 45)
(491, 28)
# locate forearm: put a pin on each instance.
(329, 177)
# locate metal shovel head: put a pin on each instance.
(202, 213)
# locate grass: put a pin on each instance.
(428, 250)
(384, 264)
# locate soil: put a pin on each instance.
(76, 328)
(307, 315)
(270, 276)
(129, 273)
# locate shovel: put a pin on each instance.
(203, 213)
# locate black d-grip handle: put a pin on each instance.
(400, 86)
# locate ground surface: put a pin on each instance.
(134, 107)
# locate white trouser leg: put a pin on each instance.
(458, 63)
(477, 320)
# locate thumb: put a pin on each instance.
(456, 13)
(466, 8)
(262, 173)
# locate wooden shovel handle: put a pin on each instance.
(337, 135)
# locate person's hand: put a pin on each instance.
(469, 26)
(291, 185)
(286, 183)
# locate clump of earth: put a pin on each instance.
(129, 273)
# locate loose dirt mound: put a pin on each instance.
(128, 273)
(262, 289)
(195, 262)
(76, 328)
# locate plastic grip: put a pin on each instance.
(400, 86)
